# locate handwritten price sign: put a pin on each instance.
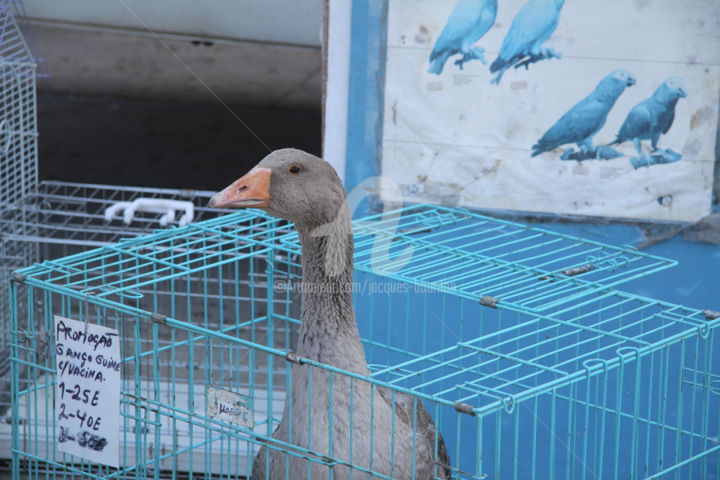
(87, 395)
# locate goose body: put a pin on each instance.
(370, 427)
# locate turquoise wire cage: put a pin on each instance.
(515, 339)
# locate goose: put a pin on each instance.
(371, 427)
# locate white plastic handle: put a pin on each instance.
(166, 207)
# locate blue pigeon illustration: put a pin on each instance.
(653, 116)
(468, 22)
(586, 118)
(532, 26)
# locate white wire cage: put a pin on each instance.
(42, 220)
(18, 127)
(18, 159)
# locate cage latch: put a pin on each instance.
(17, 277)
(294, 358)
(489, 301)
(465, 408)
(572, 272)
(711, 314)
(158, 318)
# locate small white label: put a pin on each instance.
(87, 392)
(229, 407)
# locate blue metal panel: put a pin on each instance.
(365, 91)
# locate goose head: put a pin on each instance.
(288, 184)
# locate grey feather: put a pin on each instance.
(361, 411)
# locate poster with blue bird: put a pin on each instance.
(554, 106)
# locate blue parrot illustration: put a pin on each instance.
(586, 118)
(653, 116)
(468, 22)
(532, 26)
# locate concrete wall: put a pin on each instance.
(268, 21)
(259, 53)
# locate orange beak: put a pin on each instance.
(251, 190)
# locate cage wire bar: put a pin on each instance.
(602, 384)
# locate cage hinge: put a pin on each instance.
(158, 318)
(17, 277)
(572, 272)
(293, 358)
(489, 301)
(465, 408)
(711, 314)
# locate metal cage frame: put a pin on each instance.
(604, 384)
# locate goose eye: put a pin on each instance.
(295, 168)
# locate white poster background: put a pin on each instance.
(456, 139)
